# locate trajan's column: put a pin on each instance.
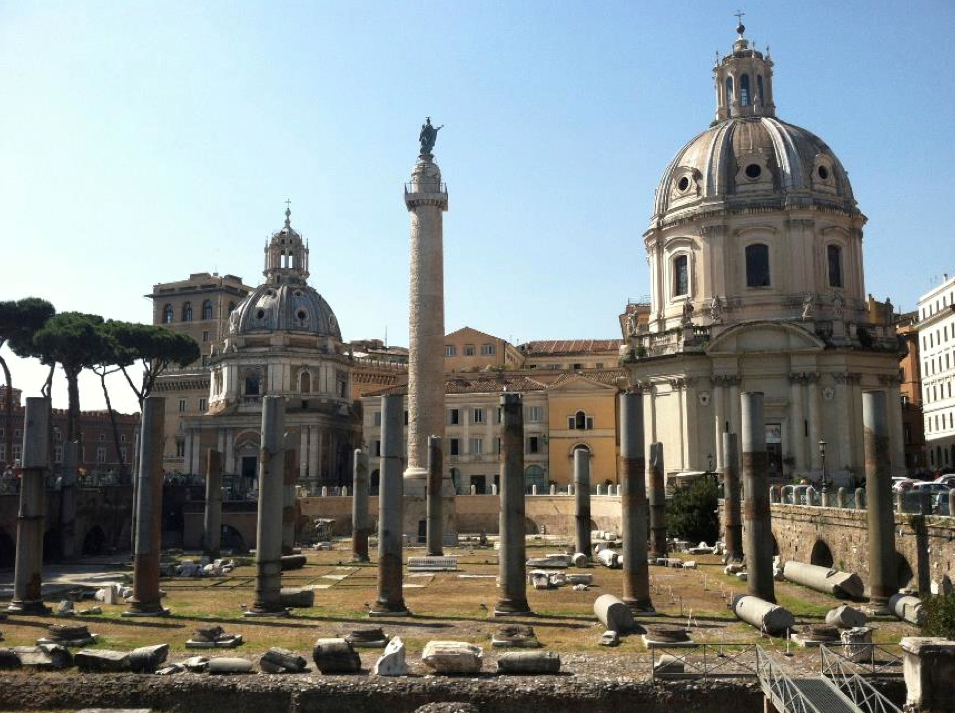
(426, 198)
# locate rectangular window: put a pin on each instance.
(16, 451)
(205, 335)
(533, 444)
(497, 446)
(3, 452)
(377, 418)
(834, 253)
(122, 455)
(454, 416)
(469, 350)
(590, 423)
(478, 415)
(571, 423)
(681, 275)
(477, 446)
(535, 414)
(377, 449)
(406, 417)
(182, 405)
(101, 455)
(58, 454)
(488, 349)
(203, 405)
(757, 265)
(455, 446)
(450, 350)
(180, 449)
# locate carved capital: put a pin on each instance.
(812, 377)
(642, 387)
(889, 379)
(798, 377)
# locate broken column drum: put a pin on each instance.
(758, 543)
(212, 524)
(146, 597)
(582, 490)
(512, 556)
(360, 520)
(268, 548)
(636, 573)
(733, 534)
(878, 490)
(434, 535)
(35, 460)
(658, 502)
(824, 579)
(390, 600)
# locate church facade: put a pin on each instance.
(757, 284)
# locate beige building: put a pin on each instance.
(757, 284)
(467, 349)
(936, 329)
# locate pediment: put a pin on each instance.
(765, 337)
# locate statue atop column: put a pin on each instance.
(428, 135)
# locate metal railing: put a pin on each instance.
(779, 688)
(837, 669)
(706, 661)
(862, 658)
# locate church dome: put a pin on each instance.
(285, 308)
(754, 159)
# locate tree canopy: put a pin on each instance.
(154, 347)
(691, 513)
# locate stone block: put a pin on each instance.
(846, 617)
(296, 598)
(928, 664)
(609, 638)
(613, 613)
(608, 558)
(45, 657)
(392, 661)
(277, 660)
(452, 657)
(148, 659)
(367, 637)
(196, 664)
(433, 564)
(101, 660)
(336, 656)
(519, 636)
(529, 662)
(580, 560)
(857, 643)
(667, 665)
(907, 608)
(228, 665)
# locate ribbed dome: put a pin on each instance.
(757, 157)
(284, 308)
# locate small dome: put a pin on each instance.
(754, 158)
(284, 308)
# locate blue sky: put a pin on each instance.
(143, 141)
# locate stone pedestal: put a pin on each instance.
(929, 668)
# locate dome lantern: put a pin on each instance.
(286, 255)
(744, 81)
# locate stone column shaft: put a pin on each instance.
(878, 486)
(656, 480)
(582, 491)
(35, 460)
(390, 601)
(289, 478)
(756, 514)
(146, 600)
(633, 501)
(360, 521)
(268, 545)
(718, 424)
(212, 536)
(71, 453)
(815, 423)
(512, 556)
(435, 528)
(798, 427)
(732, 517)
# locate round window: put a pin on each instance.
(260, 314)
(823, 172)
(754, 170)
(301, 315)
(684, 183)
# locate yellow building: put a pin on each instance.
(467, 349)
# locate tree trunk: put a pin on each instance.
(8, 405)
(73, 412)
(112, 421)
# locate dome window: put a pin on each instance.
(823, 173)
(260, 313)
(683, 183)
(754, 171)
(744, 90)
(834, 258)
(681, 276)
(302, 315)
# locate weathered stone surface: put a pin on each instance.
(451, 707)
(765, 616)
(515, 636)
(277, 660)
(147, 659)
(115, 710)
(667, 665)
(290, 562)
(928, 664)
(824, 579)
(229, 665)
(613, 613)
(392, 661)
(196, 664)
(101, 660)
(609, 558)
(857, 643)
(846, 617)
(452, 657)
(213, 638)
(336, 656)
(44, 656)
(367, 637)
(907, 608)
(9, 660)
(90, 611)
(609, 638)
(297, 598)
(581, 560)
(171, 669)
(64, 608)
(529, 662)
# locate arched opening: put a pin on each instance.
(167, 314)
(681, 276)
(729, 91)
(834, 257)
(535, 475)
(95, 542)
(187, 312)
(306, 383)
(759, 88)
(775, 546)
(744, 90)
(231, 539)
(903, 571)
(207, 309)
(757, 265)
(8, 550)
(821, 554)
(580, 420)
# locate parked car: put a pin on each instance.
(903, 485)
(934, 488)
(948, 480)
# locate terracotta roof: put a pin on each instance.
(478, 384)
(570, 346)
(602, 376)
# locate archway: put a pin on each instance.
(231, 539)
(95, 542)
(821, 554)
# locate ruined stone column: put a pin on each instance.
(360, 521)
(636, 573)
(71, 453)
(35, 460)
(512, 557)
(212, 535)
(878, 487)
(268, 534)
(732, 521)
(435, 529)
(582, 490)
(656, 481)
(146, 599)
(756, 516)
(289, 478)
(390, 601)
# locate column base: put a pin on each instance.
(641, 607)
(360, 558)
(382, 612)
(513, 608)
(256, 613)
(876, 609)
(161, 611)
(28, 606)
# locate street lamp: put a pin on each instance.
(822, 455)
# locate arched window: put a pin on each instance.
(187, 312)
(834, 254)
(759, 88)
(207, 309)
(729, 91)
(681, 275)
(757, 265)
(580, 420)
(744, 90)
(306, 382)
(167, 314)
